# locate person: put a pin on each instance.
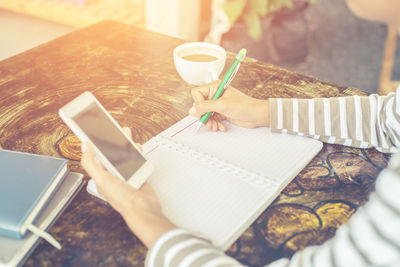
(372, 235)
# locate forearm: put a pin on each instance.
(358, 121)
(139, 209)
(143, 219)
(147, 226)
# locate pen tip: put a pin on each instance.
(198, 127)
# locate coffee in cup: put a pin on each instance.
(199, 63)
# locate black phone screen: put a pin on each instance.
(109, 140)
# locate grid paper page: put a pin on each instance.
(273, 155)
(203, 179)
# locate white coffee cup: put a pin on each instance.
(198, 62)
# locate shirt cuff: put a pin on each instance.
(156, 254)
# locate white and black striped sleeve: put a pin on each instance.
(180, 247)
(358, 121)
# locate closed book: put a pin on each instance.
(27, 181)
(14, 252)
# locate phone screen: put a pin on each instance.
(109, 140)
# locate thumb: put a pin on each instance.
(90, 162)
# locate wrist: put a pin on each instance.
(262, 112)
(147, 225)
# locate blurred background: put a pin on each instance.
(320, 38)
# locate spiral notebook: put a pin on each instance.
(218, 183)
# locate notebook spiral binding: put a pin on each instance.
(234, 170)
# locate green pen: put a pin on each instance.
(229, 75)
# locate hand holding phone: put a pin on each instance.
(90, 121)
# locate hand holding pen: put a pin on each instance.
(233, 106)
(229, 75)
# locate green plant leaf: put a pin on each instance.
(233, 9)
(253, 10)
(278, 4)
(260, 6)
(253, 23)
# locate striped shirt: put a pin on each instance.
(372, 236)
(357, 121)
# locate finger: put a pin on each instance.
(90, 162)
(139, 146)
(192, 111)
(200, 93)
(204, 92)
(128, 131)
(208, 125)
(221, 126)
(215, 126)
(219, 117)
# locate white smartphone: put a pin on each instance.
(91, 122)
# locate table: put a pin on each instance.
(131, 72)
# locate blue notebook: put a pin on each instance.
(27, 182)
(14, 252)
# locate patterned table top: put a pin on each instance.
(131, 72)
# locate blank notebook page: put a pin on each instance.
(218, 183)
